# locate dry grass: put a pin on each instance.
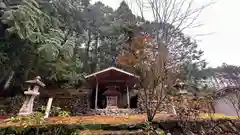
(217, 116)
(96, 119)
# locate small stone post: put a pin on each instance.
(49, 104)
(31, 93)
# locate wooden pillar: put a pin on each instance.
(88, 100)
(96, 95)
(128, 98)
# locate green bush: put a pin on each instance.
(64, 114)
(37, 118)
(55, 111)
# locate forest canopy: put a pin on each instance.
(63, 40)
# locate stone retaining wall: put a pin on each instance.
(116, 112)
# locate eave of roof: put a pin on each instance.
(111, 68)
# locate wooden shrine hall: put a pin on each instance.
(111, 88)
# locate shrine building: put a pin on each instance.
(112, 88)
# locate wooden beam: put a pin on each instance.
(122, 81)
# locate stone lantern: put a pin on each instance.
(31, 93)
(182, 92)
(180, 86)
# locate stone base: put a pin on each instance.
(111, 107)
(116, 112)
(24, 113)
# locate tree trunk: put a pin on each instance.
(86, 67)
(95, 62)
(75, 49)
(149, 115)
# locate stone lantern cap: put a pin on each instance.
(180, 86)
(34, 93)
(36, 81)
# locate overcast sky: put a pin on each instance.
(222, 20)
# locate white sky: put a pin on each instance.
(222, 20)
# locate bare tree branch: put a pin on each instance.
(178, 13)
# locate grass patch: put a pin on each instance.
(217, 116)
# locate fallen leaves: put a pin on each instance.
(114, 120)
(96, 119)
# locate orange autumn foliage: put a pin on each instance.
(135, 52)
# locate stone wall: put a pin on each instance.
(116, 112)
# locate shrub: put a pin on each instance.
(55, 111)
(37, 118)
(64, 114)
